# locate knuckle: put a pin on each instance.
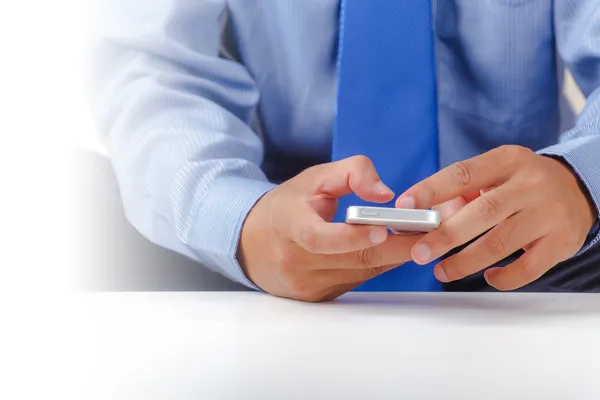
(297, 279)
(446, 235)
(538, 177)
(523, 151)
(315, 298)
(462, 173)
(366, 258)
(361, 161)
(288, 279)
(496, 246)
(515, 152)
(309, 239)
(287, 266)
(373, 272)
(313, 171)
(303, 290)
(489, 208)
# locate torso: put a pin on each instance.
(496, 72)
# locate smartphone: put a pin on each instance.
(398, 220)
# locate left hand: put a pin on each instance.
(529, 202)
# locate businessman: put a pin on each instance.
(239, 130)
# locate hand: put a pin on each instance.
(289, 248)
(529, 202)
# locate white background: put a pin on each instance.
(42, 113)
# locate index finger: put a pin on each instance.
(394, 251)
(322, 237)
(462, 179)
(352, 175)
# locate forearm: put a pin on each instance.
(175, 118)
(187, 193)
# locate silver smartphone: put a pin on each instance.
(396, 219)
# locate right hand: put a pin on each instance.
(289, 248)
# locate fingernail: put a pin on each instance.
(382, 189)
(421, 253)
(489, 273)
(406, 202)
(378, 235)
(440, 274)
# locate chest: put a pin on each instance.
(495, 61)
(495, 58)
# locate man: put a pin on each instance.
(219, 117)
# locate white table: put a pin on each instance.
(426, 346)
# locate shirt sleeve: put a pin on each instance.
(578, 41)
(175, 114)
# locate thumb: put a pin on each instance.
(352, 175)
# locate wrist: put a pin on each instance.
(580, 153)
(584, 194)
(250, 251)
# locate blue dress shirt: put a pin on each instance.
(204, 105)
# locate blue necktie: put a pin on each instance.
(386, 107)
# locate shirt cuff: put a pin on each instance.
(582, 155)
(223, 211)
